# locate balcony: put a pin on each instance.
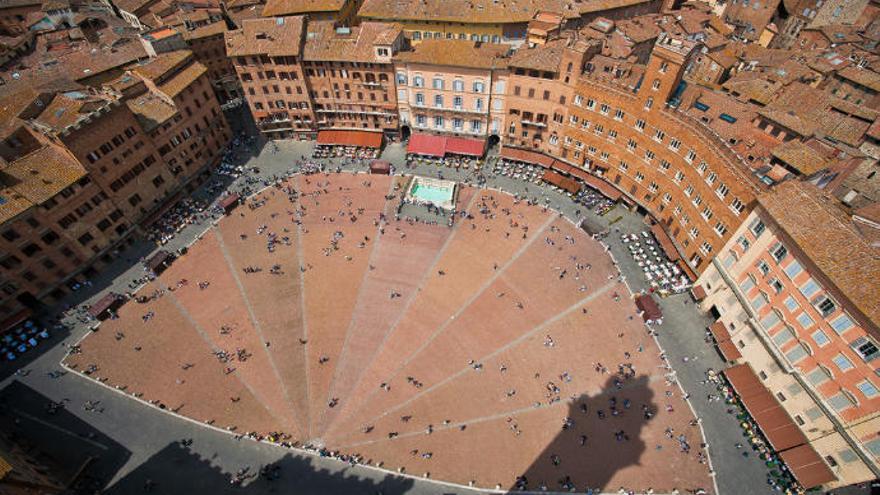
(533, 124)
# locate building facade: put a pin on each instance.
(83, 169)
(452, 87)
(796, 287)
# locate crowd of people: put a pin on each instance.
(189, 211)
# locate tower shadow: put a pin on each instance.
(177, 470)
(600, 437)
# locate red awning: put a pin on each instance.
(427, 144)
(729, 350)
(158, 261)
(665, 242)
(598, 184)
(526, 156)
(719, 331)
(561, 181)
(107, 302)
(380, 167)
(14, 319)
(649, 307)
(807, 466)
(698, 292)
(363, 139)
(775, 423)
(562, 167)
(229, 201)
(465, 146)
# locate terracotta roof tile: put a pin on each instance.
(151, 110)
(467, 11)
(182, 79)
(826, 234)
(455, 53)
(323, 42)
(275, 8)
(275, 36)
(865, 77)
(800, 156)
(213, 29)
(155, 69)
(542, 57)
(43, 173)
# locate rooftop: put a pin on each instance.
(455, 53)
(355, 44)
(543, 57)
(801, 157)
(157, 68)
(864, 77)
(42, 174)
(826, 234)
(213, 29)
(466, 11)
(275, 8)
(273, 36)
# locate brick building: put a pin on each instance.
(795, 288)
(672, 165)
(300, 77)
(453, 87)
(340, 11)
(14, 16)
(540, 88)
(267, 56)
(208, 46)
(350, 75)
(82, 168)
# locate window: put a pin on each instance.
(438, 122)
(438, 101)
(401, 79)
(818, 376)
(418, 81)
(737, 206)
(791, 304)
(420, 99)
(809, 288)
(865, 348)
(868, 389)
(722, 190)
(478, 87)
(667, 198)
(437, 83)
(659, 135)
(678, 177)
(456, 102)
(839, 402)
(744, 243)
(649, 156)
(640, 125)
(85, 239)
(705, 249)
(805, 320)
(842, 323)
(776, 285)
(763, 267)
(779, 252)
(458, 85)
(720, 228)
(824, 305)
(842, 362)
(11, 235)
(664, 165)
(820, 338)
(603, 109)
(674, 144)
(793, 269)
(619, 114)
(758, 301)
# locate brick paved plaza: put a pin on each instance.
(459, 352)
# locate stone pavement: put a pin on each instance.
(147, 437)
